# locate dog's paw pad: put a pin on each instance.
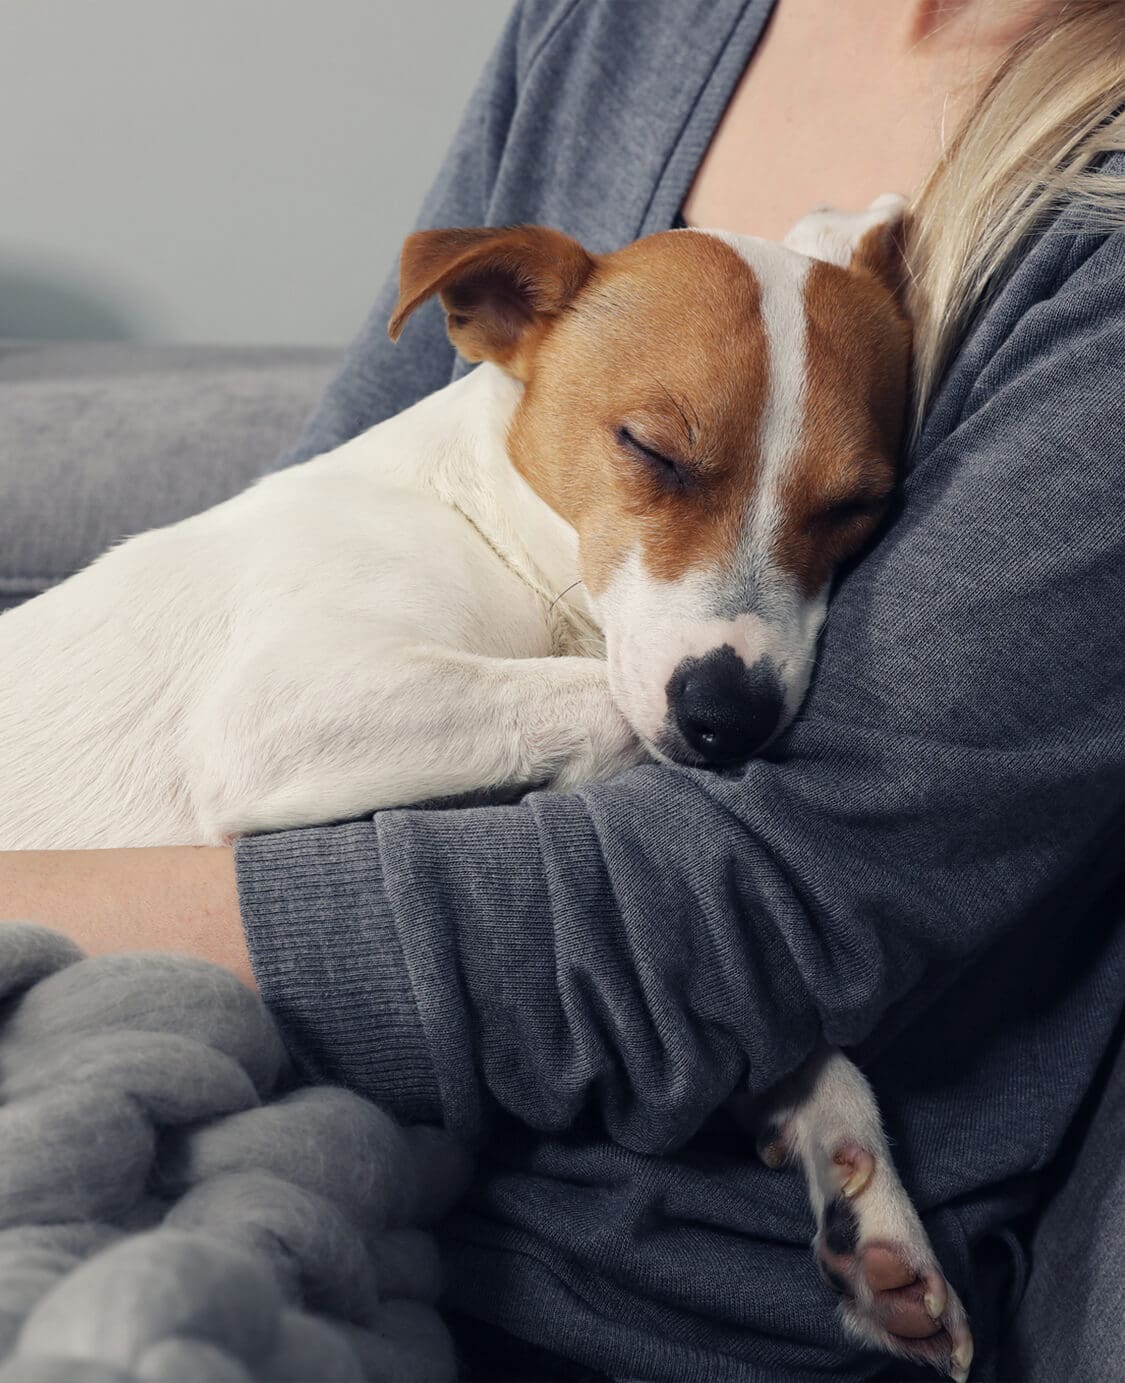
(892, 1305)
(873, 1251)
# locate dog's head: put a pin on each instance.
(719, 417)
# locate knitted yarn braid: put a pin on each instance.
(171, 1208)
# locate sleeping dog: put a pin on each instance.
(611, 541)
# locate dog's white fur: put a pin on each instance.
(291, 657)
(383, 625)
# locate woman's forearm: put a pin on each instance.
(179, 898)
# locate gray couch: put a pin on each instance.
(99, 441)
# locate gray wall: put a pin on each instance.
(223, 171)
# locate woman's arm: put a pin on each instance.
(640, 947)
(177, 899)
(644, 945)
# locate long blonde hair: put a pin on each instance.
(1028, 149)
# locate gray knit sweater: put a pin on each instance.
(927, 870)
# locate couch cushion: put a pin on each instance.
(98, 441)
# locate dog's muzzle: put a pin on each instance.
(722, 710)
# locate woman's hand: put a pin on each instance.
(179, 898)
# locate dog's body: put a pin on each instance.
(366, 630)
(419, 614)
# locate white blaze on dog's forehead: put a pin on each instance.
(781, 275)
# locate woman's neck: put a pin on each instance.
(843, 102)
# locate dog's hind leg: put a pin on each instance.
(870, 1245)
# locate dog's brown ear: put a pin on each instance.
(870, 241)
(499, 286)
(881, 252)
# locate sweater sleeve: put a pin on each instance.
(632, 951)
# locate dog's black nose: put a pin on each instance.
(722, 708)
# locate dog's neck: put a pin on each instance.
(524, 532)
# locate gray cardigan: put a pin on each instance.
(926, 871)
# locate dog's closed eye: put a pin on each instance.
(668, 469)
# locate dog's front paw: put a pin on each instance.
(872, 1249)
(574, 732)
(607, 746)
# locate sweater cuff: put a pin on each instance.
(329, 963)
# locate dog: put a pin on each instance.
(612, 541)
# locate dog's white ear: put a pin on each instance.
(868, 241)
(499, 286)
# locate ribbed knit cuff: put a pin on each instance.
(329, 964)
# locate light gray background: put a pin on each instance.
(219, 171)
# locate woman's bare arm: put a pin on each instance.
(180, 898)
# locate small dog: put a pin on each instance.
(612, 540)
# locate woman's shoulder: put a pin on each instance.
(619, 32)
(1058, 314)
(608, 106)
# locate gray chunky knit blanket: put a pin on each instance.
(172, 1209)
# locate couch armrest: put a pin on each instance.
(98, 441)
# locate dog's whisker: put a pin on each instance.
(566, 591)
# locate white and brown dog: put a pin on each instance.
(670, 449)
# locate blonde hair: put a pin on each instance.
(1029, 148)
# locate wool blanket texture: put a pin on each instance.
(175, 1207)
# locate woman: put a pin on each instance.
(925, 869)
